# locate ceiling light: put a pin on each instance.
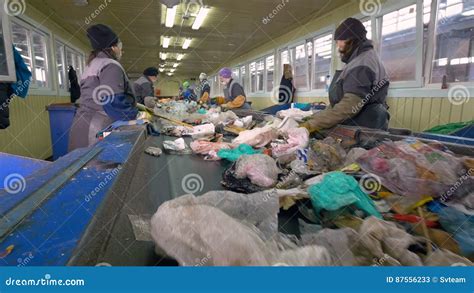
(163, 56)
(175, 65)
(180, 57)
(172, 70)
(162, 65)
(166, 42)
(200, 18)
(170, 74)
(161, 69)
(187, 43)
(170, 15)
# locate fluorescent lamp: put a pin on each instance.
(170, 15)
(200, 18)
(161, 69)
(166, 42)
(172, 70)
(180, 57)
(163, 56)
(187, 43)
(170, 74)
(175, 65)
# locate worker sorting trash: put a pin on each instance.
(206, 136)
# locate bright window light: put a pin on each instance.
(200, 18)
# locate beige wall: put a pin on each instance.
(29, 132)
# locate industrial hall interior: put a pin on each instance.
(236, 133)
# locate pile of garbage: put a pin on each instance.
(397, 203)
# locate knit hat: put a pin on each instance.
(350, 29)
(225, 72)
(202, 76)
(101, 37)
(151, 71)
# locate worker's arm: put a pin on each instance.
(357, 88)
(236, 103)
(115, 99)
(347, 108)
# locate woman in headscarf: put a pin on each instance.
(106, 92)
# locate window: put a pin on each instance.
(253, 77)
(243, 76)
(41, 59)
(32, 45)
(368, 26)
(74, 59)
(260, 75)
(322, 61)
(7, 67)
(270, 65)
(454, 38)
(398, 46)
(21, 41)
(61, 66)
(284, 59)
(300, 69)
(236, 74)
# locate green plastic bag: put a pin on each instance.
(338, 190)
(234, 154)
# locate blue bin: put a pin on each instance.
(60, 121)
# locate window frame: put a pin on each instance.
(388, 8)
(31, 27)
(292, 52)
(265, 75)
(5, 18)
(313, 61)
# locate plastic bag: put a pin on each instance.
(234, 154)
(227, 229)
(298, 138)
(338, 190)
(325, 156)
(261, 169)
(413, 168)
(257, 137)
